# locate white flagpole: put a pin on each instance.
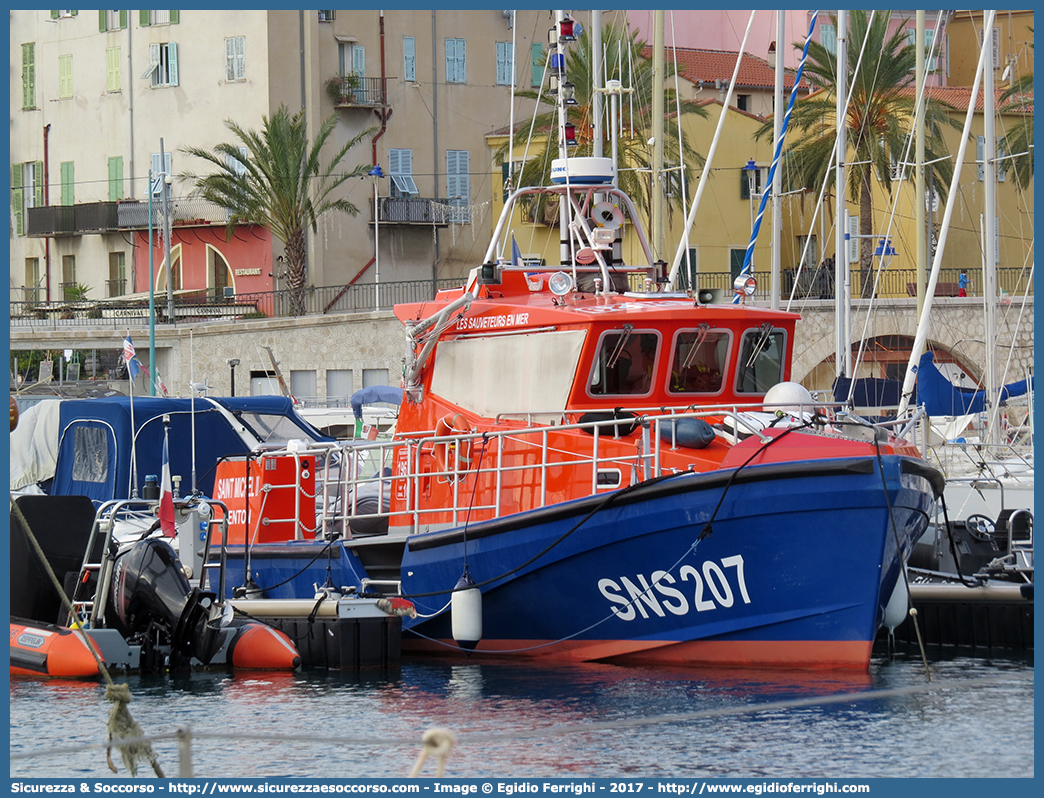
(134, 432)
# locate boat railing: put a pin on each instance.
(394, 479)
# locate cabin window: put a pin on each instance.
(518, 374)
(625, 363)
(700, 360)
(760, 363)
(90, 454)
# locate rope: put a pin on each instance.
(436, 742)
(120, 724)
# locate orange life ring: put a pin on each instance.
(449, 453)
(14, 414)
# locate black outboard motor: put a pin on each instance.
(153, 599)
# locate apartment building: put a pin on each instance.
(96, 96)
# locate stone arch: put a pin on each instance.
(886, 357)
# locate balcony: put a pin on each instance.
(351, 91)
(187, 212)
(415, 210)
(71, 220)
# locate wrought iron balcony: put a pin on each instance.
(351, 91)
(415, 210)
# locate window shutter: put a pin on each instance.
(39, 184)
(537, 52)
(980, 156)
(103, 21)
(17, 198)
(230, 59)
(29, 75)
(143, 19)
(359, 60)
(393, 161)
(54, 15)
(123, 20)
(409, 55)
(154, 59)
(172, 64)
(65, 89)
(503, 63)
(175, 17)
(68, 182)
(462, 62)
(1002, 166)
(112, 59)
(116, 178)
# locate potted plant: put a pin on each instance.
(341, 88)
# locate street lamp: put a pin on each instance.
(752, 171)
(232, 363)
(376, 173)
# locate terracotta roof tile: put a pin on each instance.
(710, 65)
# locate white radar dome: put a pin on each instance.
(793, 397)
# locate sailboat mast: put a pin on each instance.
(989, 291)
(656, 185)
(596, 68)
(920, 198)
(842, 349)
(777, 178)
(933, 278)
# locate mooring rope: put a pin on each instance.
(120, 724)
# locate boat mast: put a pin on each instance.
(842, 349)
(777, 180)
(683, 241)
(951, 200)
(564, 209)
(920, 198)
(656, 185)
(596, 68)
(989, 243)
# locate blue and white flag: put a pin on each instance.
(129, 355)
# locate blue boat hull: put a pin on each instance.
(793, 569)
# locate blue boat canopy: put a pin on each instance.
(375, 393)
(941, 397)
(94, 445)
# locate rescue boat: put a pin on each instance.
(604, 468)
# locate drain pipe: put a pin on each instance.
(46, 198)
(384, 114)
(435, 150)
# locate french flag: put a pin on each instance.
(166, 500)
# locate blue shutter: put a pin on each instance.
(172, 64)
(409, 58)
(504, 63)
(458, 184)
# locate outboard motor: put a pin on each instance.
(153, 598)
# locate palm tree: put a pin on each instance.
(280, 185)
(635, 154)
(1019, 140)
(879, 121)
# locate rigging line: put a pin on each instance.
(922, 99)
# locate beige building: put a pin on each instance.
(95, 92)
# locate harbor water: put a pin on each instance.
(973, 719)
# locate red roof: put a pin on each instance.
(710, 65)
(959, 96)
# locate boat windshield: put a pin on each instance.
(700, 358)
(274, 428)
(761, 360)
(625, 363)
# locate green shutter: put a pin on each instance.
(112, 65)
(17, 199)
(123, 20)
(175, 17)
(103, 20)
(143, 19)
(116, 178)
(29, 75)
(39, 184)
(65, 78)
(68, 181)
(54, 15)
(537, 51)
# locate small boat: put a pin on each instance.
(134, 609)
(589, 467)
